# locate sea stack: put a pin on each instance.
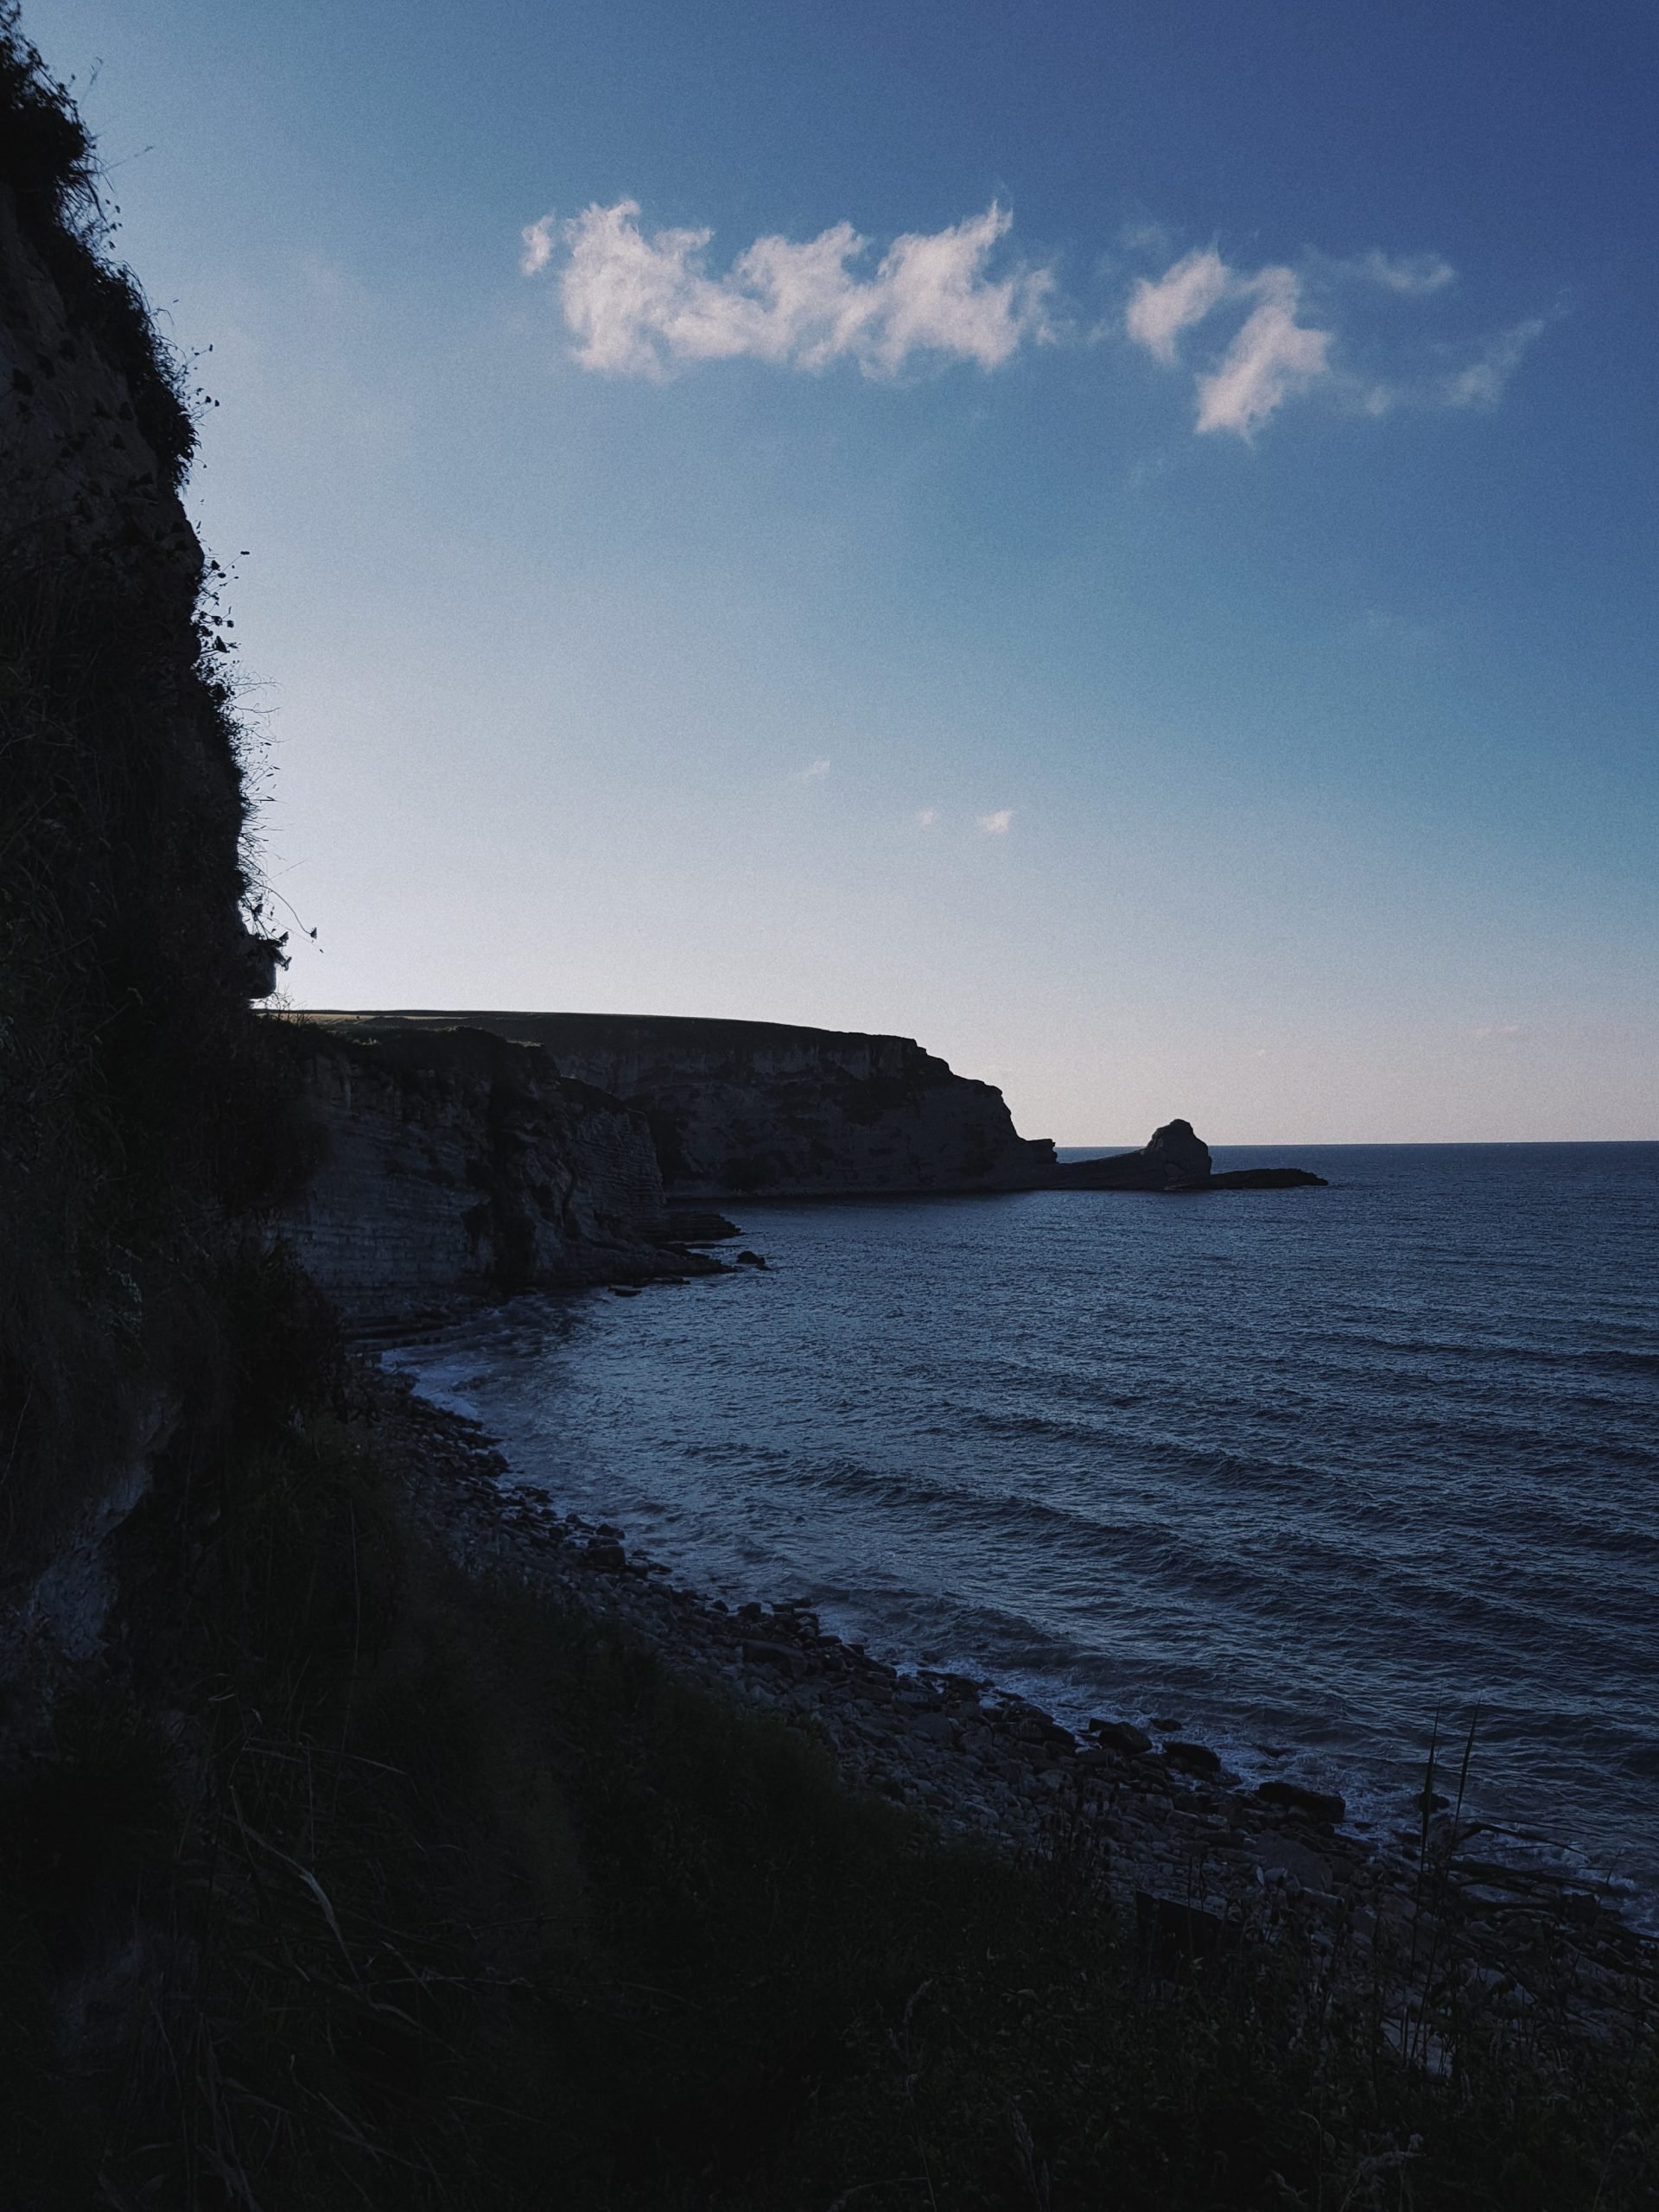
(1174, 1158)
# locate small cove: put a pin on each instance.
(1297, 1468)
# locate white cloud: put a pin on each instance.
(644, 303)
(1159, 310)
(997, 825)
(927, 815)
(1281, 351)
(1272, 357)
(640, 305)
(817, 768)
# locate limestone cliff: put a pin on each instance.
(764, 1109)
(456, 1162)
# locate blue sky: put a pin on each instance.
(1117, 539)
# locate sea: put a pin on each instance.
(1323, 1478)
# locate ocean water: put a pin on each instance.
(1298, 1471)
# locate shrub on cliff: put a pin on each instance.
(47, 160)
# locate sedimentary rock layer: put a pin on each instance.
(459, 1163)
(764, 1109)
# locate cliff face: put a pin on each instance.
(761, 1108)
(457, 1162)
(140, 1122)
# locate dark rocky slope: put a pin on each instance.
(764, 1109)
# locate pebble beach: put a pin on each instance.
(1430, 1935)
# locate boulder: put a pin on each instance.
(1119, 1736)
(1192, 1758)
(1283, 1854)
(1321, 1805)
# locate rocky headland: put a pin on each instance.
(473, 1156)
(478, 1154)
(759, 1108)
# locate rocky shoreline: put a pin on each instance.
(1436, 1935)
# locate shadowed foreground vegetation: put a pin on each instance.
(436, 1897)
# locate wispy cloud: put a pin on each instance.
(997, 825)
(1160, 310)
(1285, 348)
(1481, 382)
(541, 240)
(645, 304)
(638, 302)
(1403, 272)
(1272, 356)
(814, 770)
(927, 815)
(1480, 379)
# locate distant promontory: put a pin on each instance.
(1173, 1159)
(482, 1153)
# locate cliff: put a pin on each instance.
(457, 1162)
(141, 1124)
(751, 1108)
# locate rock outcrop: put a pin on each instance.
(139, 1125)
(457, 1164)
(1172, 1159)
(751, 1108)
